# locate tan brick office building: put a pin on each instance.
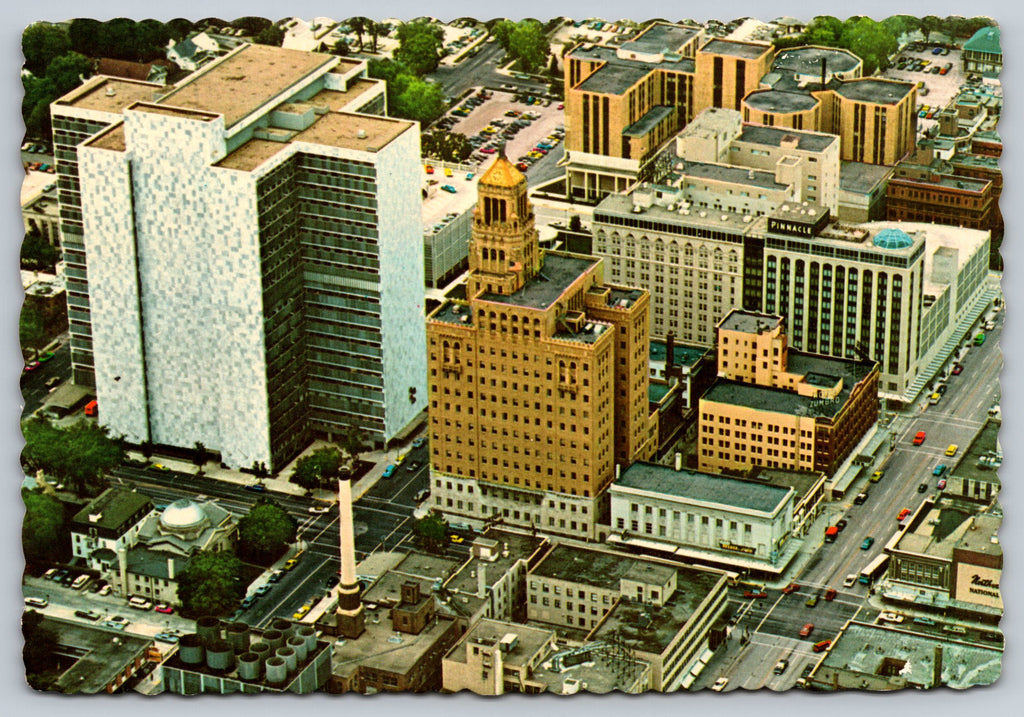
(779, 408)
(538, 382)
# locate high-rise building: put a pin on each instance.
(243, 268)
(538, 380)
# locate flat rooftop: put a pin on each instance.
(381, 648)
(452, 312)
(937, 530)
(109, 94)
(113, 506)
(976, 463)
(245, 81)
(111, 139)
(649, 121)
(802, 482)
(861, 178)
(965, 242)
(868, 648)
(775, 136)
(618, 205)
(731, 174)
(596, 568)
(557, 274)
(615, 77)
(807, 60)
(733, 48)
(489, 632)
(749, 322)
(661, 37)
(101, 654)
(705, 488)
(779, 101)
(652, 629)
(777, 400)
(683, 354)
(334, 129)
(338, 100)
(874, 90)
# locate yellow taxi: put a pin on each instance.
(447, 172)
(301, 612)
(953, 448)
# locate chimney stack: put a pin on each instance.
(481, 581)
(937, 676)
(350, 618)
(823, 64)
(679, 461)
(670, 350)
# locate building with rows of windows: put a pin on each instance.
(238, 250)
(538, 380)
(780, 408)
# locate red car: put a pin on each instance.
(807, 629)
(791, 588)
(830, 594)
(754, 595)
(31, 366)
(522, 166)
(903, 514)
(165, 609)
(919, 438)
(958, 369)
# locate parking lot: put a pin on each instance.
(491, 122)
(940, 88)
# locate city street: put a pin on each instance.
(33, 383)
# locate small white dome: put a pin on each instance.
(181, 514)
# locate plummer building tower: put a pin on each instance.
(243, 268)
(350, 620)
(538, 379)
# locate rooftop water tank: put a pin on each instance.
(277, 671)
(208, 629)
(261, 650)
(299, 645)
(191, 649)
(220, 656)
(274, 638)
(288, 655)
(308, 634)
(237, 633)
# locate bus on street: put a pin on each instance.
(875, 569)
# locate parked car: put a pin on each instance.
(165, 609)
(88, 615)
(952, 449)
(275, 576)
(755, 595)
(807, 629)
(105, 590)
(841, 523)
(877, 476)
(939, 469)
(812, 600)
(720, 684)
(957, 369)
(941, 485)
(830, 595)
(890, 617)
(264, 589)
(420, 441)
(791, 588)
(919, 438)
(449, 188)
(140, 603)
(249, 601)
(903, 514)
(117, 623)
(849, 581)
(780, 666)
(389, 471)
(922, 487)
(290, 563)
(166, 637)
(822, 646)
(319, 509)
(256, 487)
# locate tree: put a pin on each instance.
(43, 537)
(252, 25)
(84, 34)
(78, 455)
(272, 35)
(35, 104)
(823, 30)
(353, 439)
(211, 583)
(40, 43)
(376, 29)
(420, 101)
(319, 468)
(340, 48)
(870, 41)
(899, 25)
(67, 71)
(502, 33)
(31, 328)
(200, 454)
(265, 531)
(37, 254)
(553, 67)
(529, 45)
(358, 25)
(575, 223)
(446, 146)
(419, 44)
(431, 532)
(929, 24)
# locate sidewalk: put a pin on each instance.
(281, 481)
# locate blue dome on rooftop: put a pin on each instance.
(892, 239)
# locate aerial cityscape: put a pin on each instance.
(562, 356)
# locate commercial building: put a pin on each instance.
(883, 658)
(495, 658)
(751, 523)
(924, 193)
(94, 660)
(447, 221)
(45, 296)
(538, 380)
(302, 318)
(692, 259)
(41, 216)
(234, 658)
(862, 189)
(779, 408)
(654, 612)
(983, 53)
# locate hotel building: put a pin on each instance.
(538, 380)
(238, 250)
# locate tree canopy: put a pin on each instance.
(211, 583)
(78, 455)
(445, 146)
(419, 45)
(42, 667)
(265, 531)
(43, 537)
(41, 43)
(37, 254)
(431, 532)
(870, 41)
(409, 97)
(31, 327)
(318, 469)
(524, 41)
(271, 35)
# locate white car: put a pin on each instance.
(105, 590)
(720, 684)
(890, 617)
(849, 581)
(319, 509)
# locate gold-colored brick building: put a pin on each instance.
(779, 408)
(538, 381)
